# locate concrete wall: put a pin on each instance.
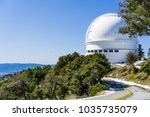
(124, 46)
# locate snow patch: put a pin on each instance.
(103, 93)
(129, 83)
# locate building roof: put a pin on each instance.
(106, 27)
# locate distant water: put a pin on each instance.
(9, 68)
(16, 67)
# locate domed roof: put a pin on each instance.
(105, 27)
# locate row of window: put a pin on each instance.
(99, 51)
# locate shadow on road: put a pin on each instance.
(117, 86)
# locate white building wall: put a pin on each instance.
(112, 44)
(103, 34)
(115, 57)
(123, 47)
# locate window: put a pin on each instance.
(105, 50)
(100, 50)
(116, 50)
(110, 50)
(95, 51)
(91, 51)
(88, 51)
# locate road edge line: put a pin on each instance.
(126, 95)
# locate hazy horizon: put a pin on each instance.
(35, 31)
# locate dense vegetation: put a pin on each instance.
(137, 74)
(73, 75)
(136, 14)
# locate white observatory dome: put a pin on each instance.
(105, 27)
(103, 37)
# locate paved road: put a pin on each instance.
(120, 90)
(138, 94)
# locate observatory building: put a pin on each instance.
(103, 37)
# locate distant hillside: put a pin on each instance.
(15, 67)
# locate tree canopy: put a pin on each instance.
(73, 74)
(140, 52)
(136, 14)
(131, 58)
(148, 54)
(146, 66)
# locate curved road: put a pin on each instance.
(138, 94)
(121, 90)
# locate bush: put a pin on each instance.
(146, 66)
(73, 73)
(97, 88)
(131, 77)
(81, 71)
(141, 76)
(131, 58)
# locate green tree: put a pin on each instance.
(131, 58)
(82, 72)
(73, 74)
(97, 88)
(16, 90)
(146, 66)
(38, 93)
(140, 53)
(56, 87)
(148, 54)
(63, 61)
(136, 14)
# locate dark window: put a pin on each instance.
(105, 50)
(91, 51)
(88, 51)
(116, 50)
(95, 51)
(100, 50)
(110, 50)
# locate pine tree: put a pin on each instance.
(136, 14)
(140, 53)
(148, 54)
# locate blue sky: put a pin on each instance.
(40, 31)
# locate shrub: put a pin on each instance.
(146, 66)
(97, 88)
(130, 77)
(131, 58)
(141, 76)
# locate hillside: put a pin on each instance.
(73, 76)
(136, 73)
